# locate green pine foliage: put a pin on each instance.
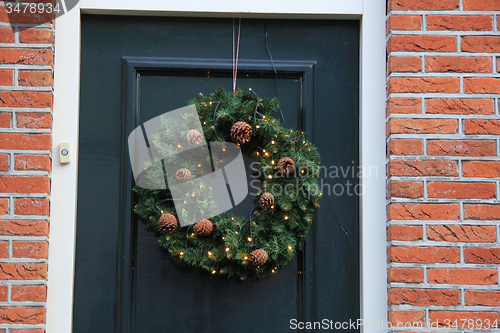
(279, 230)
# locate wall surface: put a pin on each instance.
(443, 162)
(26, 62)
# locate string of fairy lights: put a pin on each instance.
(275, 138)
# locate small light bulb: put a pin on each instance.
(270, 177)
(204, 123)
(286, 217)
(289, 247)
(227, 249)
(232, 218)
(209, 253)
(249, 89)
(267, 154)
(199, 165)
(182, 253)
(223, 238)
(213, 272)
(263, 117)
(272, 162)
(272, 207)
(257, 126)
(162, 212)
(192, 235)
(245, 258)
(272, 270)
(210, 103)
(249, 239)
(272, 142)
(302, 171)
(179, 146)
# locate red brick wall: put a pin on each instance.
(443, 161)
(26, 72)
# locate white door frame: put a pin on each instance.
(372, 130)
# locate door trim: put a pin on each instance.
(373, 285)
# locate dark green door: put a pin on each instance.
(135, 68)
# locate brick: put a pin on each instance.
(404, 233)
(481, 169)
(482, 85)
(400, 168)
(428, 254)
(35, 78)
(462, 233)
(23, 271)
(480, 44)
(3, 294)
(34, 36)
(22, 315)
(481, 5)
(7, 35)
(460, 106)
(410, 190)
(4, 206)
(443, 297)
(417, 211)
(460, 23)
(405, 275)
(31, 250)
(37, 120)
(398, 318)
(422, 43)
(19, 141)
(482, 212)
(459, 64)
(25, 17)
(405, 147)
(32, 162)
(482, 255)
(4, 162)
(461, 148)
(6, 78)
(21, 184)
(404, 64)
(29, 293)
(29, 99)
(404, 22)
(26, 56)
(443, 85)
(456, 190)
(5, 119)
(422, 4)
(421, 126)
(27, 331)
(443, 319)
(24, 228)
(31, 206)
(404, 105)
(463, 276)
(4, 250)
(482, 298)
(480, 126)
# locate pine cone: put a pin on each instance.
(258, 257)
(167, 223)
(286, 166)
(266, 200)
(203, 228)
(194, 137)
(241, 132)
(183, 175)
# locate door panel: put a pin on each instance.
(134, 69)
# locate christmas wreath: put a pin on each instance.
(262, 242)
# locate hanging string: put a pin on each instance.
(236, 53)
(275, 74)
